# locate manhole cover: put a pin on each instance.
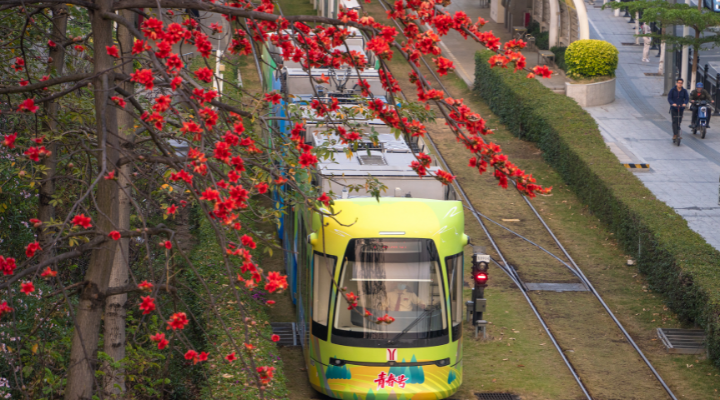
(496, 396)
(683, 341)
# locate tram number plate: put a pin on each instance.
(391, 354)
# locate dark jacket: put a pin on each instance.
(700, 94)
(678, 97)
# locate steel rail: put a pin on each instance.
(597, 295)
(513, 274)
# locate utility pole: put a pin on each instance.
(669, 59)
(685, 55)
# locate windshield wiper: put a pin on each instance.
(428, 311)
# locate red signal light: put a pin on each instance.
(481, 277)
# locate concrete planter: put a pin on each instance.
(591, 94)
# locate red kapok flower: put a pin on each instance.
(205, 74)
(48, 273)
(247, 241)
(115, 235)
(147, 304)
(79, 47)
(28, 105)
(145, 286)
(266, 374)
(172, 209)
(82, 220)
(275, 338)
(167, 244)
(144, 77)
(273, 98)
(270, 302)
(4, 308)
(52, 44)
(36, 222)
(27, 287)
(190, 354)
(231, 357)
(542, 70)
(112, 51)
(119, 101)
(160, 339)
(9, 141)
(262, 187)
(31, 249)
(325, 199)
(7, 265)
(177, 321)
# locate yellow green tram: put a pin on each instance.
(403, 259)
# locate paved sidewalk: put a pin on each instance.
(685, 177)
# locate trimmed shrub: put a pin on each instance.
(677, 261)
(559, 52)
(588, 58)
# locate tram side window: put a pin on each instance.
(324, 270)
(454, 266)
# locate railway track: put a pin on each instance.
(568, 262)
(512, 271)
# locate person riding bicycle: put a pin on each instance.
(678, 99)
(695, 97)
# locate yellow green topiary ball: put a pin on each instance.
(588, 58)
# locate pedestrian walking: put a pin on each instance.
(647, 41)
(678, 98)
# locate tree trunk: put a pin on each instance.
(46, 211)
(115, 306)
(88, 315)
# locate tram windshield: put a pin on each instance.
(397, 278)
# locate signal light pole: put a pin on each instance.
(480, 264)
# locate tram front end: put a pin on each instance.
(383, 299)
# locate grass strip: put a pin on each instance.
(225, 380)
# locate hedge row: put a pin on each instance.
(678, 262)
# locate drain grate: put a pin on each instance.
(496, 396)
(631, 44)
(652, 74)
(289, 335)
(682, 341)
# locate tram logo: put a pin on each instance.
(392, 354)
